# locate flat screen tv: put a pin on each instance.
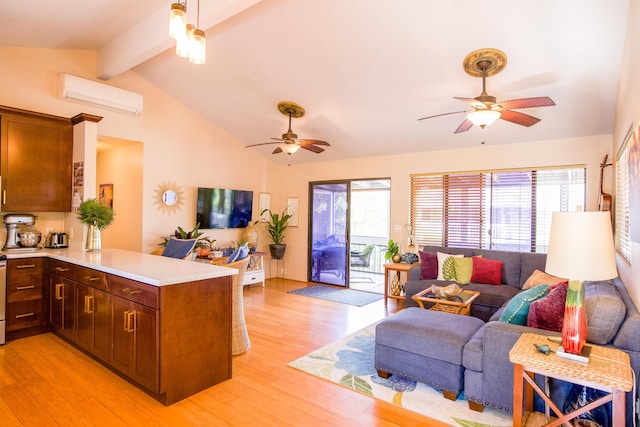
(221, 208)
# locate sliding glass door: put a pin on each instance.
(328, 232)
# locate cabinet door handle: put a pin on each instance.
(24, 288)
(129, 321)
(59, 290)
(26, 266)
(62, 269)
(20, 316)
(4, 197)
(88, 304)
(131, 291)
(93, 279)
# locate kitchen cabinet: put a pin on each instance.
(92, 320)
(25, 297)
(35, 161)
(62, 306)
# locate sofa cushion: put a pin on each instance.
(472, 354)
(548, 312)
(429, 263)
(445, 266)
(530, 262)
(518, 308)
(541, 278)
(510, 268)
(487, 271)
(627, 336)
(463, 268)
(605, 311)
(491, 295)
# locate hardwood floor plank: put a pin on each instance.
(46, 381)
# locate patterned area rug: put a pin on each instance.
(344, 296)
(349, 362)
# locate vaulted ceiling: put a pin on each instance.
(364, 70)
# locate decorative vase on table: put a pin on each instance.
(574, 325)
(250, 235)
(94, 240)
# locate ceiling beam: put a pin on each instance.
(150, 36)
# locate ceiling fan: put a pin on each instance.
(485, 63)
(290, 143)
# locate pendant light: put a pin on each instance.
(177, 20)
(183, 43)
(197, 43)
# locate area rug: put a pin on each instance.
(349, 362)
(344, 296)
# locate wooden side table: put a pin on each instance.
(608, 370)
(396, 269)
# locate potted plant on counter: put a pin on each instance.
(276, 226)
(96, 217)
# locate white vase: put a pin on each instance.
(94, 241)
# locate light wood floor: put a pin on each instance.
(46, 382)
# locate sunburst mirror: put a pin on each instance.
(168, 197)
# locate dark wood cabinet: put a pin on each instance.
(26, 308)
(134, 349)
(35, 161)
(62, 306)
(92, 320)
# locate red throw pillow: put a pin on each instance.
(487, 271)
(429, 265)
(548, 312)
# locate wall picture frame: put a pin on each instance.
(264, 202)
(293, 207)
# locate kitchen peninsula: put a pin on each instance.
(162, 323)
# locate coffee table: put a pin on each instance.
(456, 305)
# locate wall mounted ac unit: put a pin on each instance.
(74, 88)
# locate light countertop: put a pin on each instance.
(146, 268)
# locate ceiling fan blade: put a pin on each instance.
(263, 143)
(543, 101)
(304, 142)
(519, 118)
(277, 150)
(312, 148)
(464, 126)
(473, 102)
(445, 114)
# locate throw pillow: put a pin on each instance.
(241, 252)
(486, 270)
(541, 278)
(517, 309)
(429, 263)
(462, 268)
(548, 312)
(446, 272)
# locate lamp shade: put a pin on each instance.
(581, 246)
(483, 118)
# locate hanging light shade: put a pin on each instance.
(183, 44)
(289, 148)
(197, 47)
(483, 118)
(177, 20)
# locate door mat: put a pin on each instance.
(349, 362)
(343, 296)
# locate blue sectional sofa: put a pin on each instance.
(613, 320)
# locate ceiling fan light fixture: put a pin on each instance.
(289, 148)
(483, 118)
(177, 20)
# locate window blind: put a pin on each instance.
(621, 220)
(502, 209)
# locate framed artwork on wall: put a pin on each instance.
(264, 203)
(106, 195)
(292, 209)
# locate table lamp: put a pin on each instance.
(580, 248)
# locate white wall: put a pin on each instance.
(627, 113)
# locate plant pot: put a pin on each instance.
(277, 251)
(94, 240)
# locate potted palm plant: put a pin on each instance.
(96, 217)
(276, 226)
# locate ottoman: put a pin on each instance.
(425, 346)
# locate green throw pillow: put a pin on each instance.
(517, 309)
(463, 268)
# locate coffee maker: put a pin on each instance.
(12, 223)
